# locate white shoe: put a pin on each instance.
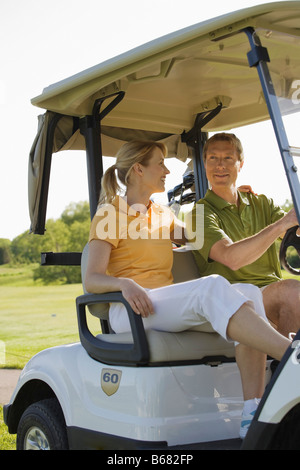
(245, 423)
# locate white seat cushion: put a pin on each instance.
(184, 346)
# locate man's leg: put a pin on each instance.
(282, 305)
(252, 366)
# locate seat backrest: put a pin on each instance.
(184, 269)
(184, 265)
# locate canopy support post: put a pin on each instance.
(90, 128)
(196, 139)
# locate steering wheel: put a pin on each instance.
(290, 239)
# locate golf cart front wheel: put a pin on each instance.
(42, 427)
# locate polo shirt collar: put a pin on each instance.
(220, 203)
(121, 203)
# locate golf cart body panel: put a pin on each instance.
(92, 397)
(235, 70)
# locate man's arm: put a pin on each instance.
(235, 255)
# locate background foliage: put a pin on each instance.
(68, 233)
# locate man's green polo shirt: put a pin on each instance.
(223, 220)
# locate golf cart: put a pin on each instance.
(157, 390)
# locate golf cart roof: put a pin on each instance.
(200, 79)
(168, 81)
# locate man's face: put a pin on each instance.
(222, 164)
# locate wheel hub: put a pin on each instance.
(35, 439)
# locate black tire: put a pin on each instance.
(42, 427)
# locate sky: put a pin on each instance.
(44, 42)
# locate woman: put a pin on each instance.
(130, 250)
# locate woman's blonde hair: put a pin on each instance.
(128, 155)
(227, 137)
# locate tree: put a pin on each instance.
(76, 212)
(26, 248)
(288, 205)
(5, 252)
(67, 234)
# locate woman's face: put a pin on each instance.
(154, 174)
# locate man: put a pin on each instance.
(239, 234)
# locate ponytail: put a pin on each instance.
(109, 186)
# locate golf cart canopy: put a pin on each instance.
(236, 69)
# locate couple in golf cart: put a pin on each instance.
(139, 262)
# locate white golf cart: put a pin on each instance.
(154, 390)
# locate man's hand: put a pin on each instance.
(290, 219)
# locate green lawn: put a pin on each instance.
(17, 275)
(7, 441)
(32, 318)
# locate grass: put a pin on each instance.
(17, 275)
(7, 441)
(32, 318)
(35, 318)
(286, 275)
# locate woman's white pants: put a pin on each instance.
(192, 305)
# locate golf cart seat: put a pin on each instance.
(150, 347)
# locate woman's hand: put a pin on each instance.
(137, 297)
(245, 188)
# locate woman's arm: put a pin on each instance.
(98, 282)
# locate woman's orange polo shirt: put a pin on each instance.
(141, 245)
